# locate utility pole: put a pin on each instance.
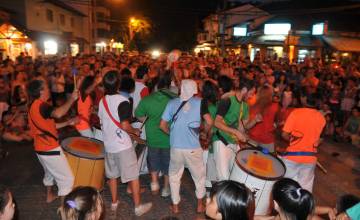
(94, 26)
(222, 27)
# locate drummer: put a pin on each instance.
(44, 131)
(120, 158)
(302, 129)
(230, 111)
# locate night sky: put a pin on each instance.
(174, 22)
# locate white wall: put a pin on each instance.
(36, 19)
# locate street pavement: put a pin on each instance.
(22, 173)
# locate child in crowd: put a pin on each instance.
(7, 206)
(82, 203)
(230, 200)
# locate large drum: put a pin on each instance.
(86, 159)
(258, 171)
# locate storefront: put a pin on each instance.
(13, 42)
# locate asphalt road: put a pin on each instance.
(22, 173)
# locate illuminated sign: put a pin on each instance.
(240, 31)
(318, 29)
(277, 29)
(51, 47)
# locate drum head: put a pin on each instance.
(260, 165)
(84, 147)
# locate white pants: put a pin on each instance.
(56, 167)
(210, 168)
(87, 133)
(224, 157)
(193, 160)
(303, 173)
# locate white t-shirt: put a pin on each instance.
(115, 139)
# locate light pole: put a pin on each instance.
(132, 23)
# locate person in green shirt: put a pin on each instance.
(231, 117)
(149, 111)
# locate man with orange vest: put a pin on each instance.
(302, 128)
(43, 129)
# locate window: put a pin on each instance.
(100, 15)
(62, 19)
(72, 22)
(49, 15)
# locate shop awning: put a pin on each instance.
(346, 44)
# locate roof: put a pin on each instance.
(65, 6)
(345, 44)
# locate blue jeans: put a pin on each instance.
(158, 160)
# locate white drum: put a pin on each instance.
(258, 171)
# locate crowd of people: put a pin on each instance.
(197, 112)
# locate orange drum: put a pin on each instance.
(86, 159)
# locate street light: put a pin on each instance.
(132, 23)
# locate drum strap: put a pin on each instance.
(298, 153)
(44, 132)
(118, 124)
(178, 110)
(48, 153)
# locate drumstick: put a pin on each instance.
(75, 86)
(143, 123)
(322, 168)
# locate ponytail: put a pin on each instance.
(296, 203)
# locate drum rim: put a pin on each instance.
(83, 156)
(258, 176)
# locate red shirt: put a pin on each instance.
(263, 132)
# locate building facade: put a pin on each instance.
(285, 29)
(52, 26)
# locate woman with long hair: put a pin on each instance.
(85, 104)
(230, 200)
(291, 201)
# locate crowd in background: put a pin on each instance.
(332, 87)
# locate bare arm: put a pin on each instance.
(125, 124)
(220, 124)
(164, 126)
(62, 110)
(285, 136)
(72, 121)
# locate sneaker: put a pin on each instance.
(143, 208)
(114, 206)
(165, 192)
(154, 186)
